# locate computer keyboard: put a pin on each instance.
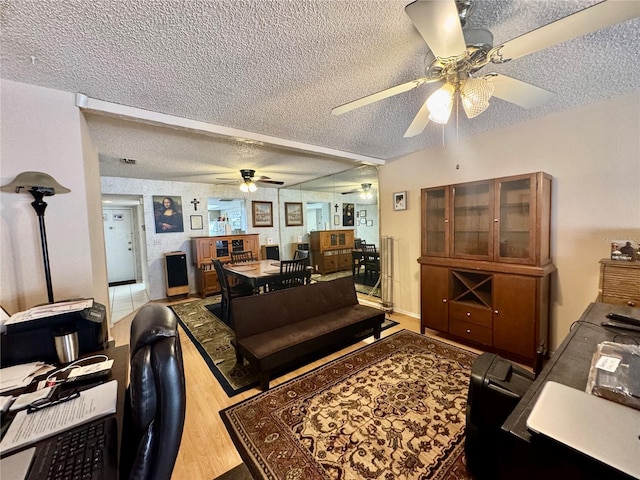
(88, 452)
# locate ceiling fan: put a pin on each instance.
(365, 191)
(458, 52)
(248, 182)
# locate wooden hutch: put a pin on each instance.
(485, 266)
(206, 249)
(331, 250)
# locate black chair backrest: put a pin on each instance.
(293, 273)
(298, 254)
(156, 396)
(222, 280)
(243, 256)
(357, 243)
(369, 248)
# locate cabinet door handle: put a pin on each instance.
(444, 300)
(468, 314)
(468, 330)
(446, 221)
(495, 220)
(631, 304)
(496, 312)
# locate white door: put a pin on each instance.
(118, 239)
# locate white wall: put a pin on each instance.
(42, 130)
(593, 153)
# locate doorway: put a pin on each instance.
(123, 221)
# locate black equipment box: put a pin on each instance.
(32, 340)
(495, 387)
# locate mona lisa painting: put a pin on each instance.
(168, 214)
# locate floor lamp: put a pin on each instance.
(39, 185)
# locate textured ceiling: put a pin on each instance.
(276, 68)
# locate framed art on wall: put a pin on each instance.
(262, 213)
(168, 214)
(400, 201)
(196, 222)
(293, 214)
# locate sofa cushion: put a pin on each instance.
(269, 342)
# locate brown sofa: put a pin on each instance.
(278, 328)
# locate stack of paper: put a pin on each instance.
(21, 375)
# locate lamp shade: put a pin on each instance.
(35, 180)
(440, 103)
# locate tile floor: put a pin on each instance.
(125, 299)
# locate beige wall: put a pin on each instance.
(42, 130)
(593, 153)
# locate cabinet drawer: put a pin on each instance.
(472, 314)
(621, 300)
(471, 332)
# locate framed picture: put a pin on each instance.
(262, 213)
(400, 201)
(369, 223)
(196, 222)
(348, 215)
(624, 250)
(293, 214)
(336, 219)
(363, 213)
(167, 212)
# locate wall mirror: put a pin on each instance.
(226, 216)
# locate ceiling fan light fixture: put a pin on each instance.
(248, 186)
(440, 103)
(475, 94)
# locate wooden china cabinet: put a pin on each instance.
(485, 266)
(205, 249)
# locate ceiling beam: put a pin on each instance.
(147, 116)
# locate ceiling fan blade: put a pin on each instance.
(519, 92)
(419, 122)
(439, 24)
(272, 182)
(352, 191)
(374, 97)
(596, 17)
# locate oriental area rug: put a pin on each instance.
(213, 339)
(394, 409)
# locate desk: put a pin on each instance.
(569, 365)
(119, 371)
(257, 274)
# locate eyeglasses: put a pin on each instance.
(46, 403)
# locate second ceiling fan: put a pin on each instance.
(458, 53)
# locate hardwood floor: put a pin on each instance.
(206, 450)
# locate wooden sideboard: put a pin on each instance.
(619, 282)
(331, 250)
(206, 249)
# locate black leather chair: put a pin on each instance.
(229, 292)
(371, 261)
(156, 398)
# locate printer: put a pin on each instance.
(32, 339)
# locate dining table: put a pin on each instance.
(258, 273)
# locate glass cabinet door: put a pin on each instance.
(472, 227)
(435, 222)
(516, 217)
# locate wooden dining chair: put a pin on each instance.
(371, 262)
(298, 254)
(229, 292)
(293, 273)
(242, 256)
